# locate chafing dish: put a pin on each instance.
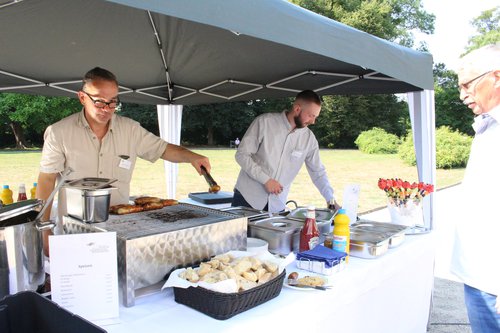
(322, 214)
(368, 245)
(251, 213)
(395, 232)
(282, 233)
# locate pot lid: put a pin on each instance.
(19, 208)
(322, 214)
(90, 183)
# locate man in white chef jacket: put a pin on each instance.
(475, 258)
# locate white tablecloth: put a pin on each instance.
(389, 294)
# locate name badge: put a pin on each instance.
(297, 153)
(125, 164)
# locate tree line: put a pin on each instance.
(23, 118)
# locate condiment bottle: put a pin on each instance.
(33, 191)
(6, 195)
(21, 194)
(341, 232)
(309, 234)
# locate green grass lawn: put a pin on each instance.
(344, 167)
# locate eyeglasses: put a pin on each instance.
(102, 104)
(468, 85)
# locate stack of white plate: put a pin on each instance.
(256, 245)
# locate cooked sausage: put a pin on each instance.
(145, 200)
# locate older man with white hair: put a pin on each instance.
(475, 257)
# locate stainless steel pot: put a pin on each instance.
(21, 251)
(88, 199)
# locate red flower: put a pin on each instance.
(399, 191)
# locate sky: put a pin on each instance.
(452, 27)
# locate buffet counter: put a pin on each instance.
(389, 294)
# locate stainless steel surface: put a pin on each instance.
(151, 244)
(61, 182)
(418, 230)
(91, 183)
(395, 232)
(21, 257)
(324, 218)
(322, 214)
(250, 213)
(368, 245)
(282, 233)
(88, 205)
(18, 208)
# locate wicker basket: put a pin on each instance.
(224, 306)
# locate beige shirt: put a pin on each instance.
(71, 143)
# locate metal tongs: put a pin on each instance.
(214, 188)
(295, 283)
(64, 175)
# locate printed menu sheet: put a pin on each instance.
(83, 274)
(350, 201)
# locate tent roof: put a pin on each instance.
(214, 51)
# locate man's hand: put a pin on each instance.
(198, 160)
(333, 207)
(273, 186)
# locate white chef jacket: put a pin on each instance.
(271, 150)
(476, 254)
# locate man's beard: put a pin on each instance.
(298, 122)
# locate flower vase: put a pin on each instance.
(408, 214)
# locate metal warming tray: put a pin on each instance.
(151, 244)
(395, 232)
(324, 218)
(251, 213)
(282, 233)
(367, 245)
(322, 214)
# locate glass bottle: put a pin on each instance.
(309, 234)
(21, 194)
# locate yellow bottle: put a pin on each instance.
(33, 191)
(341, 232)
(6, 195)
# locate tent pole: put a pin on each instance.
(169, 120)
(422, 114)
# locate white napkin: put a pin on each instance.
(229, 285)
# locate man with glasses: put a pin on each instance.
(475, 258)
(273, 150)
(96, 142)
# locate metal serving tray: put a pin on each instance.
(322, 214)
(368, 245)
(251, 213)
(395, 232)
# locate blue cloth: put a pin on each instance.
(483, 316)
(321, 253)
